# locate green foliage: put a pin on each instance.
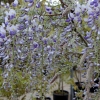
(21, 1)
(1, 17)
(67, 79)
(1, 78)
(18, 83)
(79, 94)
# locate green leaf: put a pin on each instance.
(51, 33)
(71, 81)
(81, 1)
(68, 63)
(79, 49)
(21, 2)
(79, 94)
(98, 22)
(66, 74)
(43, 2)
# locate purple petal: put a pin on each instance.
(50, 12)
(38, 5)
(26, 0)
(77, 14)
(95, 1)
(31, 1)
(2, 36)
(92, 13)
(12, 32)
(35, 45)
(21, 27)
(86, 37)
(11, 17)
(96, 4)
(68, 20)
(14, 5)
(91, 3)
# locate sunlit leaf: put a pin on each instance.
(71, 81)
(51, 33)
(43, 2)
(81, 1)
(79, 49)
(21, 1)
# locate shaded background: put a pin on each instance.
(9, 1)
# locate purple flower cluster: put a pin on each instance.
(39, 42)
